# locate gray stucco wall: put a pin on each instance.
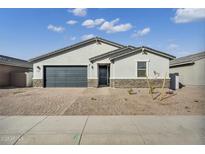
(191, 74)
(126, 68)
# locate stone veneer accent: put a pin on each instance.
(138, 83)
(37, 82)
(93, 83)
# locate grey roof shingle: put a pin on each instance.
(138, 49)
(159, 52)
(5, 60)
(126, 50)
(190, 59)
(109, 54)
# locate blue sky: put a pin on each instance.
(26, 33)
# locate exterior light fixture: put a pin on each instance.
(38, 68)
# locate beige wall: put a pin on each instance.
(18, 79)
(127, 68)
(21, 79)
(5, 73)
(77, 57)
(29, 77)
(191, 74)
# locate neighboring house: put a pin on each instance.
(99, 62)
(191, 69)
(13, 72)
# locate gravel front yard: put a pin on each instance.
(37, 101)
(99, 101)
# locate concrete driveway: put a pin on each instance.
(102, 129)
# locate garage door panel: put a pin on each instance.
(50, 72)
(50, 84)
(66, 82)
(70, 75)
(66, 76)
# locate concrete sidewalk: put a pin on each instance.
(102, 130)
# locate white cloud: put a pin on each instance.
(53, 28)
(92, 23)
(173, 46)
(99, 21)
(78, 12)
(73, 38)
(86, 37)
(188, 15)
(71, 22)
(142, 32)
(111, 27)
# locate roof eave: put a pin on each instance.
(16, 65)
(119, 56)
(106, 55)
(181, 64)
(170, 57)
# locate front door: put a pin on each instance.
(103, 75)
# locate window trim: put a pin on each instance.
(147, 68)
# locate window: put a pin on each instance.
(141, 69)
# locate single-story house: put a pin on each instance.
(191, 69)
(15, 72)
(99, 62)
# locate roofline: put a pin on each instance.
(13, 58)
(110, 53)
(132, 48)
(191, 55)
(149, 50)
(11, 61)
(107, 54)
(16, 65)
(160, 52)
(181, 64)
(77, 45)
(133, 51)
(186, 60)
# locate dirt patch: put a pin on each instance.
(99, 101)
(37, 101)
(186, 101)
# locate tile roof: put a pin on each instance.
(139, 49)
(190, 59)
(5, 60)
(109, 54)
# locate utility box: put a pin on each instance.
(174, 81)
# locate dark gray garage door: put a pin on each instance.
(65, 76)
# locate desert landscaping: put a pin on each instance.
(100, 101)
